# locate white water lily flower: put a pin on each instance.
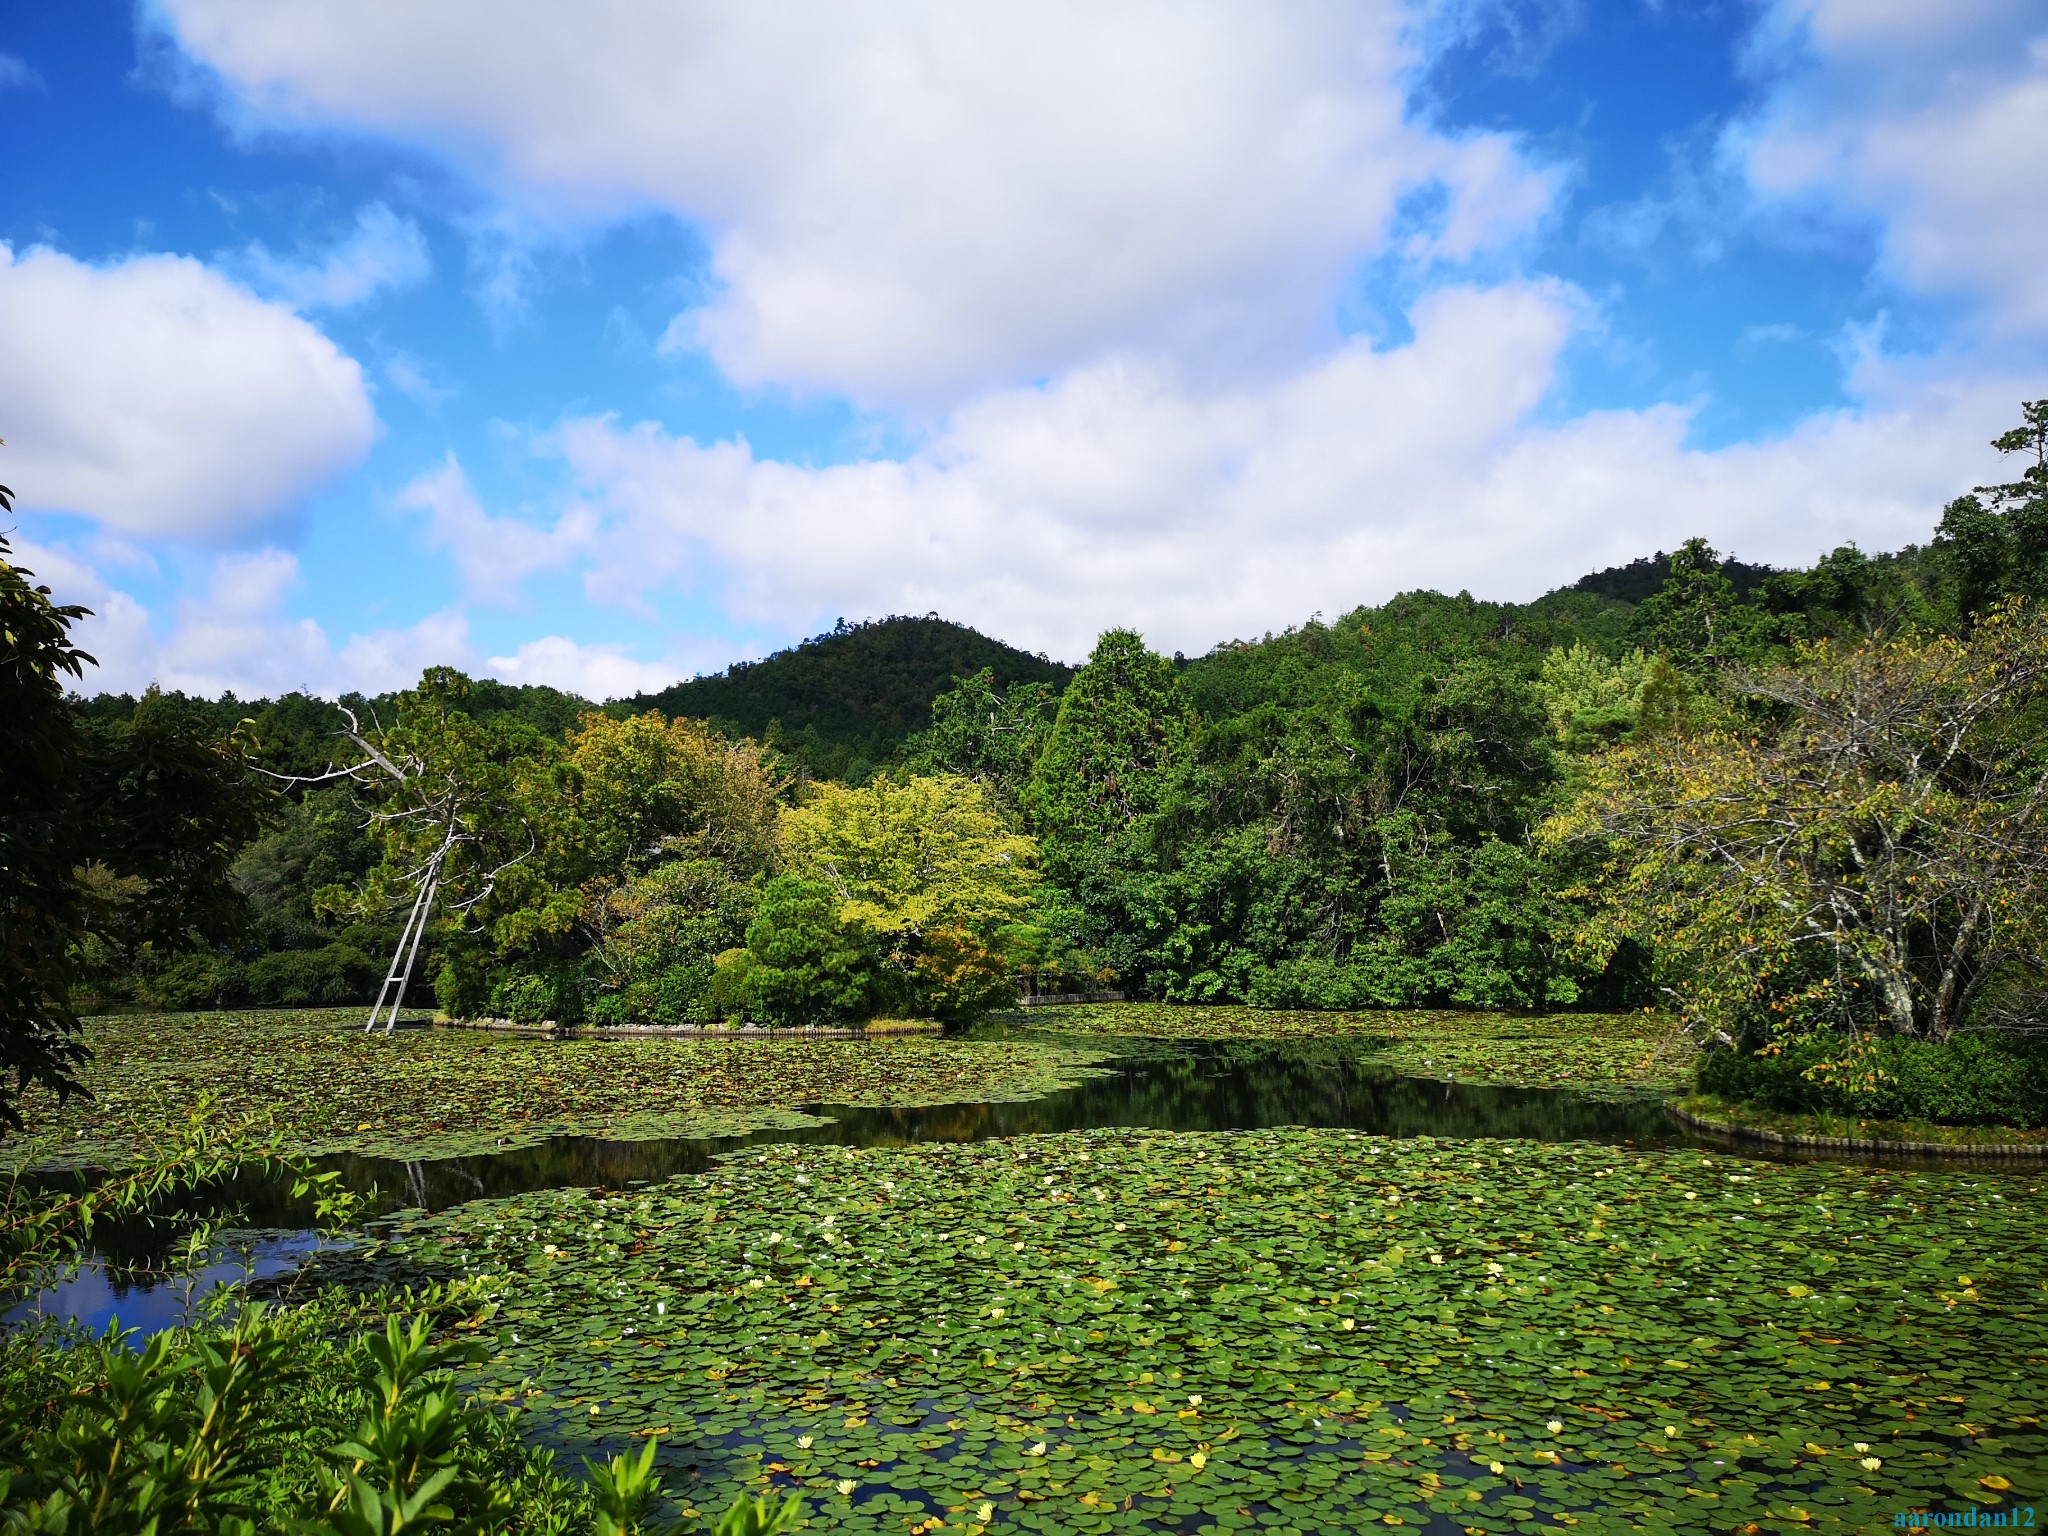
(1495, 1269)
(1556, 1426)
(804, 1442)
(1436, 1258)
(1670, 1430)
(846, 1485)
(1195, 1401)
(661, 1309)
(1870, 1463)
(995, 1312)
(1036, 1450)
(1861, 1447)
(1198, 1461)
(986, 1512)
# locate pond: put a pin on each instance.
(1195, 1086)
(1285, 1284)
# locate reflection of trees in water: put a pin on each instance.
(1238, 1085)
(141, 1247)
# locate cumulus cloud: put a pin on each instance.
(911, 201)
(237, 635)
(1127, 493)
(492, 554)
(163, 400)
(1927, 120)
(394, 658)
(591, 671)
(383, 251)
(1091, 256)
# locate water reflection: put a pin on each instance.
(1235, 1086)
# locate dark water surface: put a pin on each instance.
(139, 1276)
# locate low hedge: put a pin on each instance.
(1971, 1080)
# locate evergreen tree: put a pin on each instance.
(1123, 727)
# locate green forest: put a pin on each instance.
(1782, 805)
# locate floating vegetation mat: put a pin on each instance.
(314, 1076)
(1295, 1331)
(1593, 1052)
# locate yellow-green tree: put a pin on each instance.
(926, 865)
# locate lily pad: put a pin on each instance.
(1345, 1329)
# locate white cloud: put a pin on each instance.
(236, 636)
(382, 251)
(411, 378)
(912, 200)
(1128, 493)
(394, 658)
(492, 554)
(591, 671)
(1929, 121)
(163, 400)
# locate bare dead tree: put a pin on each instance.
(431, 806)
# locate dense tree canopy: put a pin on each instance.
(907, 815)
(1871, 854)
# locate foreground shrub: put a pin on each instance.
(1975, 1079)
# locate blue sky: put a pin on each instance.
(604, 345)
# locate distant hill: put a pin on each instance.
(1641, 578)
(852, 693)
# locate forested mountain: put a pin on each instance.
(841, 703)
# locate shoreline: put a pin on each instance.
(1958, 1149)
